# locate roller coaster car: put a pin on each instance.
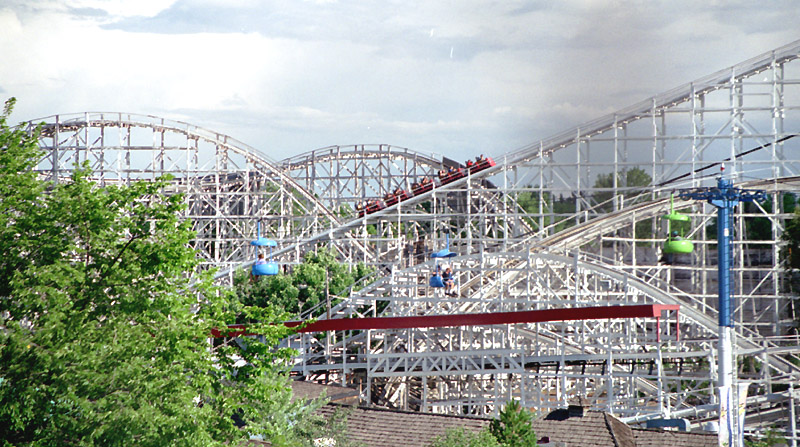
(398, 197)
(481, 165)
(371, 207)
(421, 188)
(452, 176)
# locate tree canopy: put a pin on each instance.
(514, 428)
(303, 288)
(102, 339)
(632, 181)
(460, 437)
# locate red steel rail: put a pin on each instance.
(486, 319)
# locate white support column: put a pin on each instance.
(792, 416)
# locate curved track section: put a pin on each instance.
(228, 185)
(345, 176)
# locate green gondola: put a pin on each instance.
(676, 243)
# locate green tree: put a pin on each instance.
(631, 181)
(513, 428)
(559, 209)
(759, 228)
(791, 235)
(331, 428)
(304, 287)
(789, 202)
(530, 202)
(771, 438)
(102, 341)
(460, 437)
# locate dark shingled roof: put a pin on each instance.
(375, 427)
(660, 438)
(573, 427)
(593, 429)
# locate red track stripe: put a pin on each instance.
(435, 321)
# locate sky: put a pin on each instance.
(457, 78)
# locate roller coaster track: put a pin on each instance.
(550, 145)
(71, 126)
(696, 312)
(541, 334)
(663, 293)
(387, 213)
(87, 120)
(718, 80)
(375, 152)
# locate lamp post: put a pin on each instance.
(725, 197)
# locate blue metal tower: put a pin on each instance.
(725, 197)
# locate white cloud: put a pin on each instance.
(321, 73)
(124, 8)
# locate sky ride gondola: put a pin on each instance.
(445, 252)
(262, 267)
(676, 243)
(436, 278)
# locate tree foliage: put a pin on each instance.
(534, 202)
(304, 287)
(460, 437)
(772, 437)
(631, 181)
(102, 341)
(513, 428)
(318, 430)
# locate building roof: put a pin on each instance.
(591, 429)
(572, 427)
(659, 438)
(375, 427)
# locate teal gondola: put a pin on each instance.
(262, 267)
